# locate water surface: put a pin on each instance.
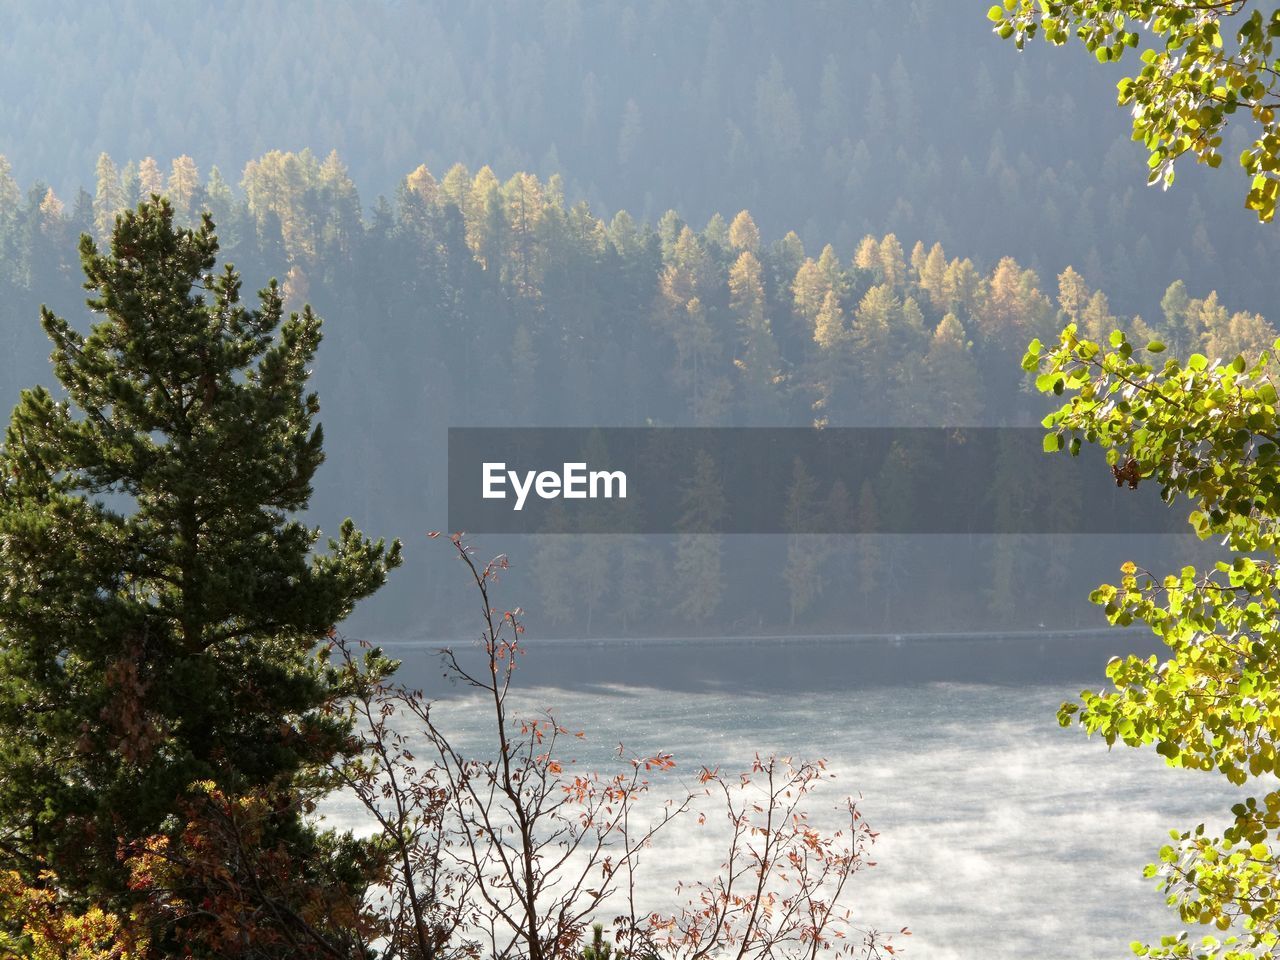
(1001, 834)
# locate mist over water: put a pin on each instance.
(1001, 834)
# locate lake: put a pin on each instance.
(1001, 834)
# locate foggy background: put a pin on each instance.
(447, 304)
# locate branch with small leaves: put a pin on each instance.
(1208, 62)
(1206, 433)
(514, 851)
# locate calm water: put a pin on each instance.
(1001, 835)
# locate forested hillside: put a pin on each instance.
(836, 120)
(468, 300)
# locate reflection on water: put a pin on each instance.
(1002, 835)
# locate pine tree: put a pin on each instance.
(868, 255)
(961, 285)
(131, 183)
(807, 554)
(218, 197)
(423, 184)
(829, 327)
(716, 233)
(933, 276)
(1177, 333)
(279, 185)
(893, 262)
(1096, 320)
(339, 211)
(699, 554)
(53, 212)
(150, 179)
(10, 194)
(184, 183)
(868, 548)
(873, 324)
(109, 198)
(833, 102)
(810, 289)
(758, 360)
(11, 253)
(1208, 321)
(954, 394)
(1073, 294)
(744, 235)
(162, 608)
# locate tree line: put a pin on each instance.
(831, 119)
(467, 300)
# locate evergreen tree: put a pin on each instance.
(162, 608)
(699, 553)
(758, 361)
(184, 182)
(132, 184)
(955, 385)
(829, 328)
(744, 235)
(807, 553)
(1073, 294)
(150, 179)
(868, 547)
(109, 198)
(1174, 305)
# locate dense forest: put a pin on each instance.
(469, 300)
(835, 120)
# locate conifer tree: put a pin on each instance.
(933, 276)
(829, 328)
(184, 182)
(161, 606)
(109, 198)
(955, 395)
(699, 553)
(759, 361)
(744, 235)
(150, 179)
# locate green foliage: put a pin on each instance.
(598, 948)
(162, 608)
(1207, 432)
(1211, 61)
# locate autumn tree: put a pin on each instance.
(163, 607)
(510, 846)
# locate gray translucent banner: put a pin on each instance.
(672, 480)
